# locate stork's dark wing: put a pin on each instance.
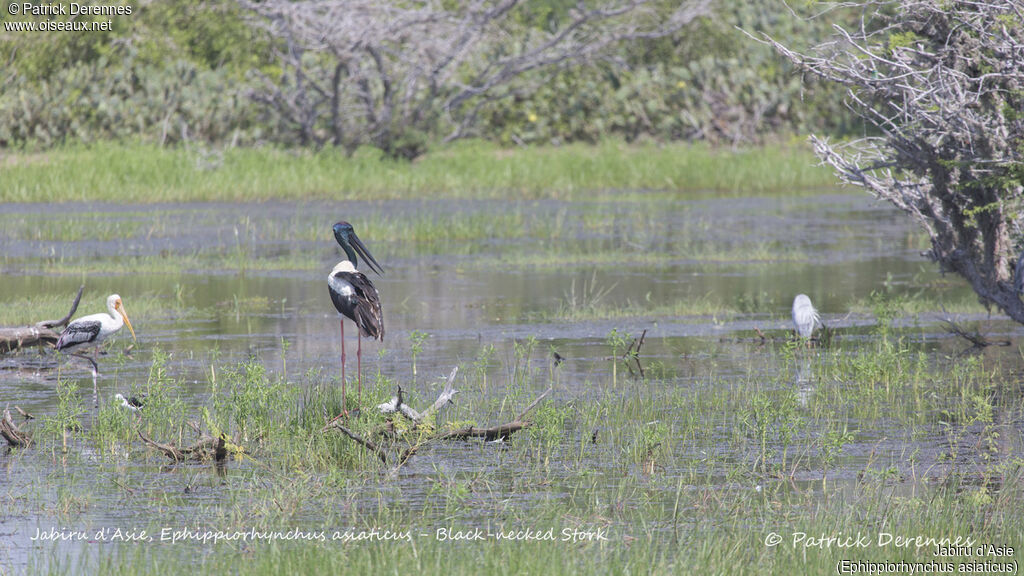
(78, 332)
(369, 316)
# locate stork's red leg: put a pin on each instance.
(359, 363)
(343, 411)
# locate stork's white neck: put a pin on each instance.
(343, 266)
(112, 306)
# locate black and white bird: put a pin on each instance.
(805, 317)
(355, 297)
(132, 403)
(90, 332)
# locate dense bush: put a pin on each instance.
(169, 70)
(186, 69)
(712, 83)
(125, 99)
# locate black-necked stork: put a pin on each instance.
(355, 297)
(90, 331)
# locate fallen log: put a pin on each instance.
(39, 334)
(205, 448)
(10, 431)
(501, 431)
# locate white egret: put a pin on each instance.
(805, 317)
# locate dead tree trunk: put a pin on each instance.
(39, 334)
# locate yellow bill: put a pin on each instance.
(127, 322)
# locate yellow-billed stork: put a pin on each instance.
(90, 331)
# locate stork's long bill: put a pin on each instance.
(364, 253)
(124, 315)
(354, 247)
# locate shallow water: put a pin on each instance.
(464, 294)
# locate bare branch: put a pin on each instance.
(397, 405)
(368, 444)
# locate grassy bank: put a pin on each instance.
(138, 173)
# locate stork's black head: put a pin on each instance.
(353, 246)
(342, 231)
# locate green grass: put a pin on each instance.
(142, 173)
(931, 303)
(685, 478)
(24, 310)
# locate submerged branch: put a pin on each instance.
(206, 448)
(368, 444)
(976, 339)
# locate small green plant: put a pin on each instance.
(651, 444)
(482, 363)
(773, 421)
(618, 342)
(831, 448)
(886, 309)
(285, 345)
(416, 340)
(66, 417)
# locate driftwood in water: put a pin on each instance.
(398, 405)
(500, 432)
(39, 334)
(10, 431)
(205, 448)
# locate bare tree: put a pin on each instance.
(389, 73)
(943, 83)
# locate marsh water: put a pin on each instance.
(222, 284)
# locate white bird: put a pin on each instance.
(805, 317)
(133, 403)
(93, 329)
